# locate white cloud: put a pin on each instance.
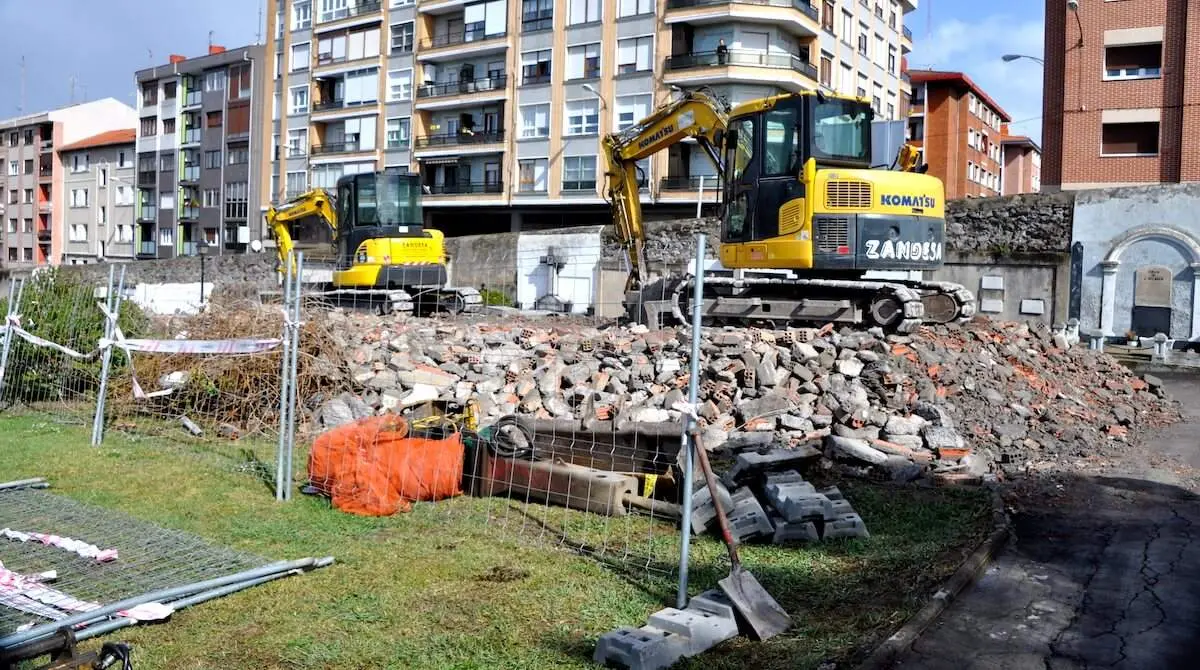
(976, 47)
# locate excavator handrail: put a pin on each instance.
(695, 115)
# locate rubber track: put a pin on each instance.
(907, 293)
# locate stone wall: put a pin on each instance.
(258, 269)
(1015, 224)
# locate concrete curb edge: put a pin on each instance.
(890, 650)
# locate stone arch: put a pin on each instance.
(1184, 239)
(1179, 236)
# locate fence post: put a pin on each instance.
(113, 303)
(280, 458)
(681, 597)
(293, 386)
(14, 298)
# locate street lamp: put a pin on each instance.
(1008, 58)
(592, 89)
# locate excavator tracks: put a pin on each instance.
(900, 306)
(418, 302)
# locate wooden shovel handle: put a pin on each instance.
(726, 534)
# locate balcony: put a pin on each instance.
(148, 214)
(147, 249)
(354, 10)
(801, 5)
(147, 178)
(338, 148)
(191, 136)
(192, 99)
(471, 41)
(458, 37)
(739, 58)
(190, 175)
(467, 188)
(798, 15)
(459, 139)
(44, 236)
(907, 33)
(467, 87)
(188, 249)
(189, 214)
(45, 207)
(689, 183)
(46, 145)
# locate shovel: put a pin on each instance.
(765, 617)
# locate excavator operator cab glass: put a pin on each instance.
(841, 131)
(380, 200)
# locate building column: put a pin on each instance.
(514, 221)
(1108, 296)
(1195, 302)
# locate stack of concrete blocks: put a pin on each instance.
(787, 508)
(670, 635)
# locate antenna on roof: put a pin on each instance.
(210, 39)
(258, 35)
(21, 100)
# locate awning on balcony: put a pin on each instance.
(449, 160)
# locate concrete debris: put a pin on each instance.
(670, 634)
(857, 399)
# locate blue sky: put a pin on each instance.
(101, 44)
(971, 36)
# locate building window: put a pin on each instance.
(150, 94)
(211, 198)
(861, 92)
(212, 160)
(301, 14)
(301, 57)
(238, 155)
(124, 196)
(583, 117)
(169, 126)
(213, 119)
(79, 163)
(582, 11)
(583, 61)
(297, 142)
(12, 224)
(28, 196)
(166, 237)
(332, 10)
(166, 163)
(331, 49)
(78, 232)
(28, 166)
(12, 139)
(214, 81)
(402, 37)
(297, 183)
(891, 59)
(166, 200)
(397, 133)
(14, 168)
(361, 87)
(535, 67)
(634, 8)
(537, 15)
(1130, 139)
(631, 109)
(149, 126)
(633, 55)
(1138, 61)
(535, 120)
(79, 197)
(27, 225)
(235, 200)
(828, 9)
(298, 100)
(827, 71)
(579, 173)
(102, 215)
(399, 85)
(532, 175)
(862, 39)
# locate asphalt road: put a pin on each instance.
(1106, 575)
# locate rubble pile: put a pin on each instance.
(954, 402)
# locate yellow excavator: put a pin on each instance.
(804, 217)
(382, 254)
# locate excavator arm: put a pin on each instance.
(695, 115)
(316, 202)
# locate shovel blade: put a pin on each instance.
(765, 617)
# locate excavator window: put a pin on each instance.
(741, 144)
(841, 131)
(782, 148)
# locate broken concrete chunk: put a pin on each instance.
(855, 449)
(940, 437)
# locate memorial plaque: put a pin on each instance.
(1152, 287)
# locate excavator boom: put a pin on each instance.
(695, 115)
(314, 203)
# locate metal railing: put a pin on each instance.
(148, 213)
(47, 145)
(188, 249)
(801, 5)
(147, 248)
(147, 178)
(907, 33)
(740, 57)
(458, 139)
(44, 235)
(579, 185)
(462, 87)
(190, 173)
(685, 183)
(191, 99)
(337, 148)
(189, 213)
(363, 7)
(459, 37)
(467, 188)
(191, 136)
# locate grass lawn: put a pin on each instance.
(450, 586)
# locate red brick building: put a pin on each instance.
(1022, 171)
(1122, 92)
(958, 127)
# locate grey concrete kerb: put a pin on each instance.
(891, 649)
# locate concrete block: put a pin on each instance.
(713, 601)
(848, 525)
(645, 648)
(795, 503)
(704, 630)
(703, 511)
(748, 518)
(749, 462)
(838, 509)
(802, 531)
(786, 477)
(833, 493)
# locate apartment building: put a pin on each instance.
(1122, 93)
(500, 105)
(32, 179)
(958, 128)
(100, 186)
(1022, 170)
(201, 147)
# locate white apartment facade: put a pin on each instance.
(500, 105)
(100, 184)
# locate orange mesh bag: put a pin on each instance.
(373, 468)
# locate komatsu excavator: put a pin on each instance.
(803, 218)
(381, 250)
